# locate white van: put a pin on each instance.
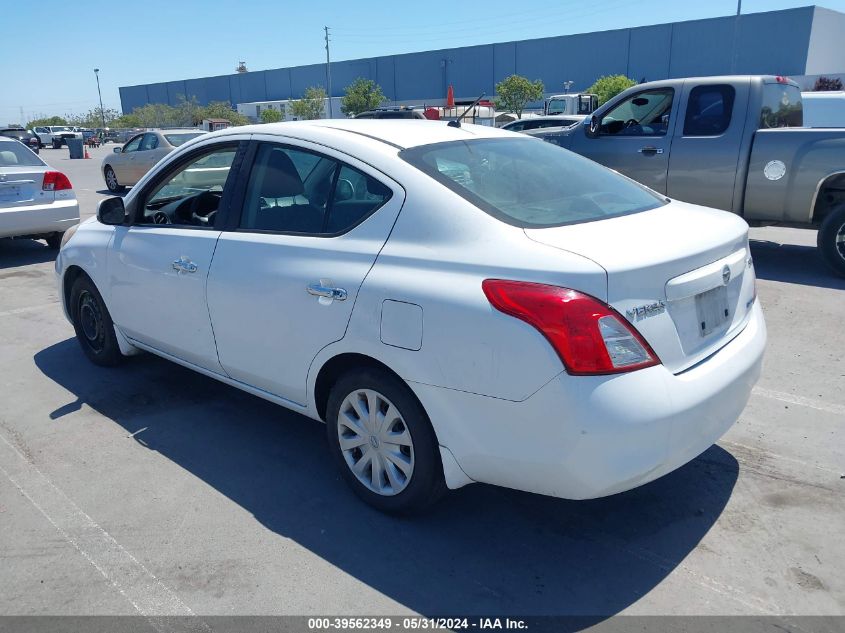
(824, 109)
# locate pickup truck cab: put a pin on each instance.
(734, 143)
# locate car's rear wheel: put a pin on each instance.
(111, 181)
(92, 323)
(383, 442)
(831, 240)
(57, 144)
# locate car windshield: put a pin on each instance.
(183, 137)
(14, 154)
(62, 129)
(530, 183)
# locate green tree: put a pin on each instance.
(52, 120)
(220, 110)
(515, 92)
(609, 86)
(827, 83)
(361, 95)
(126, 120)
(271, 116)
(93, 118)
(312, 105)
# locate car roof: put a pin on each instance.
(398, 133)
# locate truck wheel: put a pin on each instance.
(57, 144)
(831, 240)
(54, 240)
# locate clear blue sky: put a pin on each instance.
(162, 40)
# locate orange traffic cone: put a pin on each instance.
(86, 153)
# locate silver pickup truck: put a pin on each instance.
(733, 143)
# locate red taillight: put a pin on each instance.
(589, 336)
(782, 80)
(55, 181)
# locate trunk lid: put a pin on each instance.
(681, 274)
(21, 186)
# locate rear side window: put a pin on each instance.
(296, 191)
(530, 183)
(782, 106)
(709, 110)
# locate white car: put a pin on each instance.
(35, 200)
(459, 304)
(55, 135)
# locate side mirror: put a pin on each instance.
(117, 150)
(111, 211)
(593, 129)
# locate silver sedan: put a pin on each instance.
(128, 164)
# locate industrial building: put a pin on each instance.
(801, 43)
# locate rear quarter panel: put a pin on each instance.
(810, 156)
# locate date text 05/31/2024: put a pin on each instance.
(415, 623)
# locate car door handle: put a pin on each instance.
(184, 265)
(650, 151)
(327, 292)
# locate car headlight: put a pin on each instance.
(68, 234)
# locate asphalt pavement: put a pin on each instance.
(151, 489)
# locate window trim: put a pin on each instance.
(247, 175)
(703, 87)
(226, 201)
(634, 96)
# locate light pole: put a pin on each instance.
(100, 94)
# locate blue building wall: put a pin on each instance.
(775, 42)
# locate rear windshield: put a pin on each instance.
(530, 183)
(781, 106)
(177, 139)
(14, 154)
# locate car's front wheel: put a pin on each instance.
(92, 323)
(111, 181)
(383, 442)
(54, 240)
(831, 240)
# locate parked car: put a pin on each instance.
(35, 201)
(128, 164)
(55, 135)
(391, 113)
(535, 123)
(27, 137)
(719, 142)
(458, 304)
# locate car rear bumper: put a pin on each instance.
(39, 219)
(582, 437)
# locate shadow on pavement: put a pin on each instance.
(21, 252)
(793, 264)
(483, 550)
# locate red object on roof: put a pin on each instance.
(432, 113)
(450, 97)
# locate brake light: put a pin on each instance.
(589, 336)
(782, 80)
(55, 181)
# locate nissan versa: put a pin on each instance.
(457, 303)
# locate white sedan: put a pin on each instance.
(35, 200)
(458, 304)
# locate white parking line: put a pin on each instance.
(43, 306)
(836, 409)
(149, 596)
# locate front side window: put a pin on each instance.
(643, 114)
(782, 106)
(190, 196)
(709, 110)
(530, 183)
(297, 191)
(150, 141)
(134, 144)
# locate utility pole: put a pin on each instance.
(735, 54)
(100, 94)
(328, 72)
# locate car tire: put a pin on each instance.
(111, 181)
(831, 240)
(57, 144)
(54, 240)
(93, 324)
(410, 472)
